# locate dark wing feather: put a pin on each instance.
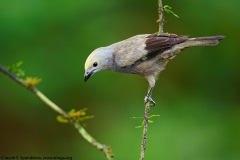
(158, 43)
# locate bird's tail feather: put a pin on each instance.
(191, 42)
(203, 41)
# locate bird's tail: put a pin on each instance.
(191, 42)
(203, 41)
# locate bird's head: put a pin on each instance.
(98, 60)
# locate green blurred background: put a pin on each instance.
(197, 95)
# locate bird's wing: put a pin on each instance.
(141, 48)
(127, 52)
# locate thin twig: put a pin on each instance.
(145, 128)
(161, 16)
(148, 104)
(105, 149)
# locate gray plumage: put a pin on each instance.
(145, 55)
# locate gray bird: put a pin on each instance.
(145, 55)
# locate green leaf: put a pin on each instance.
(156, 115)
(168, 9)
(61, 119)
(136, 117)
(149, 121)
(19, 64)
(139, 126)
(71, 111)
(15, 69)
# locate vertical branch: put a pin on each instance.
(148, 104)
(145, 128)
(161, 16)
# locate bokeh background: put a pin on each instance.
(197, 96)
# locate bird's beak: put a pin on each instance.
(88, 75)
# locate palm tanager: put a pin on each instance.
(145, 55)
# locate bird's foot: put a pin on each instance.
(148, 99)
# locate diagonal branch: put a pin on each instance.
(105, 149)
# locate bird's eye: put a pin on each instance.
(95, 64)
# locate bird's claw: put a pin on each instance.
(150, 100)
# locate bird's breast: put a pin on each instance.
(150, 67)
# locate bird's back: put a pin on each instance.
(141, 48)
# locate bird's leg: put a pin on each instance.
(151, 81)
(148, 97)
